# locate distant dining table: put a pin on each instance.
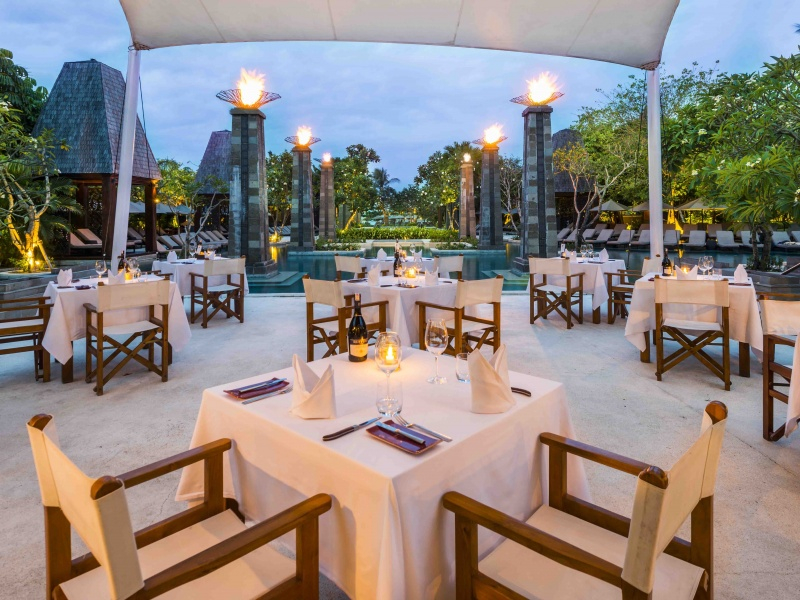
(387, 264)
(387, 535)
(743, 315)
(68, 318)
(402, 313)
(181, 269)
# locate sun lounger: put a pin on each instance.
(779, 237)
(697, 240)
(671, 238)
(644, 240)
(208, 240)
(571, 237)
(169, 242)
(564, 233)
(725, 240)
(604, 236)
(796, 236)
(161, 248)
(88, 236)
(619, 228)
(588, 234)
(623, 240)
(746, 240)
(76, 243)
(686, 229)
(600, 226)
(712, 229)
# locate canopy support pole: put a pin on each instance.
(127, 145)
(654, 163)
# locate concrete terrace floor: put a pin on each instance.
(615, 402)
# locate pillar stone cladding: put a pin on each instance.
(491, 225)
(539, 235)
(302, 230)
(327, 202)
(466, 226)
(248, 196)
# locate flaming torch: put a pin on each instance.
(302, 231)
(490, 227)
(249, 92)
(541, 91)
(303, 138)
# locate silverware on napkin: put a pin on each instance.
(342, 432)
(401, 421)
(272, 381)
(268, 395)
(397, 431)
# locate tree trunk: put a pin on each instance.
(351, 219)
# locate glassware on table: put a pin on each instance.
(710, 263)
(563, 248)
(590, 249)
(583, 250)
(717, 275)
(100, 267)
(436, 342)
(137, 273)
(388, 354)
(462, 367)
(389, 401)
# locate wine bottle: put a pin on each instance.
(398, 264)
(357, 336)
(666, 265)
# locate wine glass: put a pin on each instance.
(436, 342)
(388, 354)
(100, 267)
(583, 250)
(709, 264)
(590, 249)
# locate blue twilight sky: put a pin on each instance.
(404, 101)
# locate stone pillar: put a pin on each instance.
(302, 230)
(250, 237)
(327, 202)
(491, 225)
(539, 232)
(466, 226)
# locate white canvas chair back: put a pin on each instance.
(348, 264)
(230, 266)
(780, 317)
(103, 524)
(674, 291)
(448, 263)
(651, 265)
(319, 291)
(549, 266)
(132, 295)
(480, 291)
(659, 513)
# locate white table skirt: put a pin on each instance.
(387, 535)
(743, 314)
(594, 279)
(68, 318)
(180, 274)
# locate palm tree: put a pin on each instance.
(386, 193)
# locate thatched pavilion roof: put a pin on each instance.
(85, 110)
(216, 159)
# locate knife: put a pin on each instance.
(285, 390)
(263, 384)
(405, 434)
(346, 430)
(521, 391)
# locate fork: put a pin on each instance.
(269, 395)
(400, 420)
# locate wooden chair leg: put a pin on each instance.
(566, 301)
(659, 354)
(45, 365)
(308, 559)
(768, 379)
(702, 548)
(612, 312)
(466, 557)
(99, 386)
(744, 359)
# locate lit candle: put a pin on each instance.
(411, 273)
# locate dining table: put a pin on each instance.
(68, 318)
(181, 270)
(744, 318)
(594, 279)
(387, 535)
(387, 264)
(402, 312)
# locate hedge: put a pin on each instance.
(362, 234)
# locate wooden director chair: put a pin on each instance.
(692, 334)
(468, 332)
(203, 552)
(571, 548)
(454, 265)
(620, 287)
(349, 264)
(227, 297)
(547, 297)
(780, 317)
(140, 335)
(332, 330)
(28, 324)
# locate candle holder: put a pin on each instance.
(411, 273)
(388, 354)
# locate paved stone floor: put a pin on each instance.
(614, 399)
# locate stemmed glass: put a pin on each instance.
(100, 267)
(590, 250)
(709, 265)
(388, 354)
(436, 341)
(583, 251)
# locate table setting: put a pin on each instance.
(386, 437)
(180, 270)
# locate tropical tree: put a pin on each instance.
(439, 180)
(511, 187)
(385, 194)
(30, 186)
(354, 188)
(279, 186)
(20, 91)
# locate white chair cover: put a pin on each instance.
(319, 291)
(230, 266)
(448, 264)
(549, 266)
(674, 291)
(651, 265)
(780, 317)
(348, 264)
(480, 291)
(132, 295)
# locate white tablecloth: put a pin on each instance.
(180, 274)
(743, 314)
(68, 318)
(594, 279)
(387, 535)
(402, 313)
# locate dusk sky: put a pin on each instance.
(404, 101)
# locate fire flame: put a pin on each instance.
(493, 134)
(303, 135)
(540, 90)
(250, 87)
(467, 157)
(326, 157)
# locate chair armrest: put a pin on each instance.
(438, 306)
(534, 539)
(173, 463)
(598, 455)
(90, 307)
(233, 548)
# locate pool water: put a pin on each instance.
(477, 265)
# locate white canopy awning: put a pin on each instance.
(626, 32)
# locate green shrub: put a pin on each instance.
(334, 245)
(362, 234)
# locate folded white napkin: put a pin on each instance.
(418, 255)
(64, 277)
(313, 397)
(374, 275)
(690, 276)
(211, 254)
(491, 388)
(172, 256)
(573, 258)
(432, 277)
(740, 275)
(603, 255)
(115, 279)
(381, 254)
